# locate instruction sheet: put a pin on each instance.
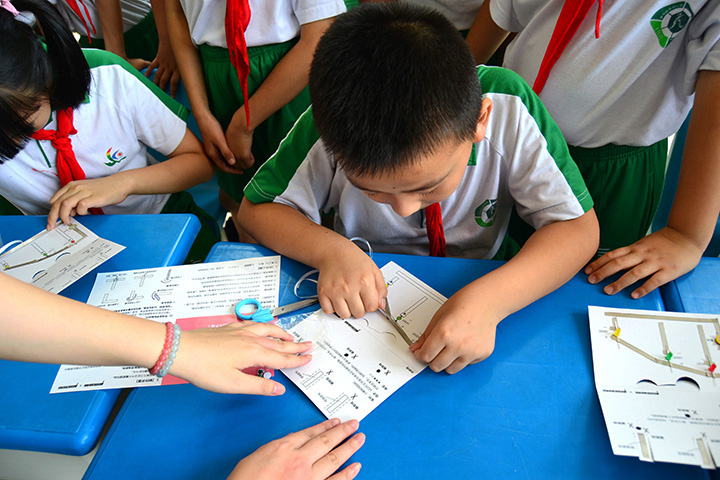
(359, 362)
(657, 380)
(167, 294)
(55, 259)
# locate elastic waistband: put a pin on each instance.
(213, 53)
(611, 151)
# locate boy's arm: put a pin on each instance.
(185, 167)
(463, 329)
(164, 61)
(284, 83)
(349, 282)
(111, 22)
(485, 36)
(676, 249)
(188, 60)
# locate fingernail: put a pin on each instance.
(635, 295)
(382, 303)
(278, 389)
(592, 279)
(355, 467)
(587, 270)
(360, 439)
(609, 290)
(334, 422)
(354, 424)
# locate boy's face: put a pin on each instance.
(429, 180)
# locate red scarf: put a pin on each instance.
(67, 165)
(435, 232)
(237, 18)
(571, 16)
(74, 7)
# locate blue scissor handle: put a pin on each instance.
(260, 315)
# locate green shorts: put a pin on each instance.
(626, 184)
(225, 97)
(141, 41)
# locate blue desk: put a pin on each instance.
(70, 423)
(529, 411)
(697, 291)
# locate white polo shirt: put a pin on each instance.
(271, 22)
(523, 161)
(133, 11)
(124, 113)
(632, 86)
(460, 12)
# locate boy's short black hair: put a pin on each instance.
(391, 82)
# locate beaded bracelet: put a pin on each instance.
(169, 334)
(173, 351)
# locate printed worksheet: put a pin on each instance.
(55, 259)
(359, 362)
(658, 384)
(193, 295)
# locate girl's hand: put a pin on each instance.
(313, 453)
(212, 358)
(78, 197)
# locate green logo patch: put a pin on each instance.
(669, 21)
(485, 213)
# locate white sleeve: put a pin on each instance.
(308, 11)
(702, 50)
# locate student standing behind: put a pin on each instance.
(135, 30)
(279, 63)
(623, 83)
(38, 326)
(397, 153)
(73, 139)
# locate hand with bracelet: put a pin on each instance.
(38, 326)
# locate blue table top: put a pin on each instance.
(529, 411)
(697, 291)
(70, 423)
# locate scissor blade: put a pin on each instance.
(291, 307)
(388, 314)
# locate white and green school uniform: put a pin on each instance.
(522, 161)
(460, 12)
(618, 97)
(123, 114)
(273, 30)
(139, 29)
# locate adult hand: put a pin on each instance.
(460, 333)
(212, 358)
(313, 453)
(663, 256)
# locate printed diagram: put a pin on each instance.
(411, 299)
(656, 378)
(44, 246)
(308, 380)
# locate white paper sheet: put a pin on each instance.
(658, 385)
(55, 259)
(358, 363)
(165, 295)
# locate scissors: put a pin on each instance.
(266, 315)
(388, 314)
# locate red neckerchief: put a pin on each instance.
(237, 18)
(571, 16)
(435, 232)
(74, 6)
(67, 165)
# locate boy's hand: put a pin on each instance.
(350, 283)
(460, 333)
(167, 69)
(663, 256)
(212, 358)
(138, 63)
(314, 453)
(240, 139)
(78, 197)
(216, 146)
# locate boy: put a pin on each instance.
(388, 142)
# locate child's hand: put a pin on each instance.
(461, 332)
(212, 358)
(138, 63)
(216, 145)
(240, 139)
(663, 256)
(313, 453)
(350, 283)
(78, 197)
(167, 69)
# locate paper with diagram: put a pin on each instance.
(169, 294)
(358, 363)
(659, 387)
(55, 259)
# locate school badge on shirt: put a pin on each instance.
(485, 213)
(114, 157)
(670, 20)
